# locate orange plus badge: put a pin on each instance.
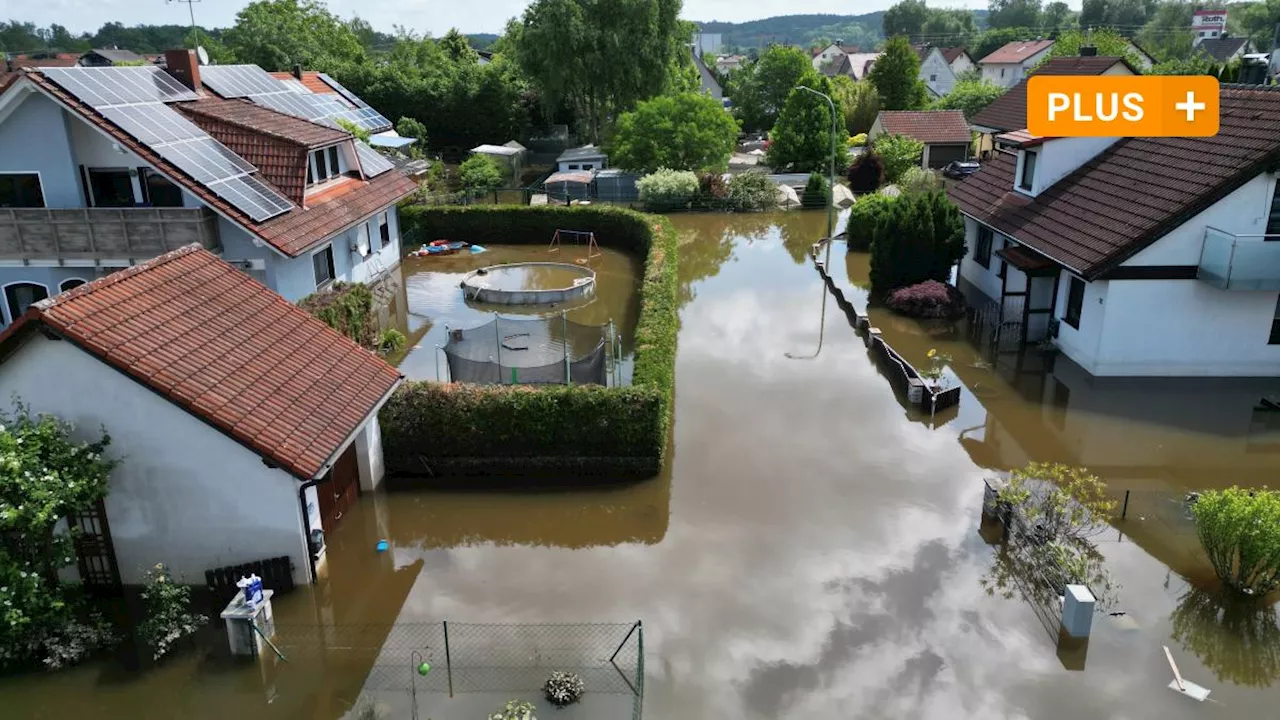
(1122, 106)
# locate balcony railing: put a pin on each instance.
(1240, 262)
(129, 234)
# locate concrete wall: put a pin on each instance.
(184, 494)
(1002, 74)
(36, 137)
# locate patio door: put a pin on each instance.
(341, 491)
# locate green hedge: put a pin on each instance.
(429, 428)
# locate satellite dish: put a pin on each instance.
(202, 55)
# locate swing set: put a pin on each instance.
(577, 236)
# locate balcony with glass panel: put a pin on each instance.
(1239, 262)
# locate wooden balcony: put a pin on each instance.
(43, 236)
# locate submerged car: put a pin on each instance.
(961, 168)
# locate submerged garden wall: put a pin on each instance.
(434, 429)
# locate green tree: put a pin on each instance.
(480, 174)
(278, 34)
(760, 90)
(690, 131)
(1258, 20)
(1013, 13)
(600, 58)
(1109, 43)
(860, 102)
(896, 75)
(1240, 532)
(816, 191)
(168, 612)
(1093, 13)
(948, 26)
(801, 139)
(411, 128)
(970, 96)
(45, 476)
(920, 237)
(1167, 34)
(898, 153)
(907, 17)
(666, 189)
(1057, 16)
(457, 48)
(752, 191)
(1195, 65)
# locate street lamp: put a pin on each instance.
(831, 186)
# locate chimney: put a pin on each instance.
(1088, 51)
(297, 71)
(183, 65)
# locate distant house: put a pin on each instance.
(587, 157)
(853, 65)
(935, 70)
(1010, 63)
(1141, 59)
(729, 63)
(245, 427)
(1208, 25)
(1139, 256)
(1009, 111)
(959, 59)
(710, 85)
(832, 54)
(107, 57)
(133, 162)
(1224, 49)
(945, 133)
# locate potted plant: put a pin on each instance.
(563, 689)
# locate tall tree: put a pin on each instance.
(1108, 42)
(801, 140)
(1093, 13)
(970, 96)
(860, 102)
(946, 26)
(457, 48)
(1167, 34)
(760, 90)
(690, 131)
(1259, 20)
(896, 75)
(1057, 16)
(278, 34)
(600, 56)
(907, 17)
(1013, 13)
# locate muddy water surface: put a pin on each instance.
(812, 549)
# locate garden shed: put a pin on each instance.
(511, 155)
(563, 187)
(617, 186)
(587, 157)
(945, 133)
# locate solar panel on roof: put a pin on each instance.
(350, 96)
(238, 81)
(371, 162)
(252, 196)
(108, 86)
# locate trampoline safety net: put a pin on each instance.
(506, 351)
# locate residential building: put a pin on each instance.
(832, 54)
(244, 426)
(945, 134)
(1136, 256)
(959, 59)
(1009, 64)
(935, 70)
(709, 84)
(1141, 59)
(134, 161)
(586, 158)
(726, 64)
(853, 65)
(1009, 111)
(1224, 48)
(1208, 25)
(107, 57)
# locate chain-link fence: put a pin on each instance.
(553, 350)
(446, 669)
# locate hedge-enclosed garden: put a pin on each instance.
(453, 429)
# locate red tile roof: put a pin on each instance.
(931, 127)
(952, 54)
(1017, 51)
(1009, 111)
(223, 347)
(265, 121)
(1134, 192)
(292, 233)
(311, 81)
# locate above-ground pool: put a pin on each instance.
(532, 283)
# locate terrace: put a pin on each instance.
(58, 236)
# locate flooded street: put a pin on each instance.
(812, 549)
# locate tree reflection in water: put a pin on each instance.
(1237, 638)
(1042, 570)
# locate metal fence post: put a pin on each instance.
(497, 334)
(1125, 510)
(448, 659)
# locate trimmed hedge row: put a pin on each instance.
(434, 429)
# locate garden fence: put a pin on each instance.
(482, 659)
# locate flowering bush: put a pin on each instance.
(859, 140)
(167, 606)
(563, 688)
(666, 189)
(514, 710)
(917, 179)
(752, 190)
(44, 477)
(929, 299)
(712, 189)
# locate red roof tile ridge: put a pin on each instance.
(196, 107)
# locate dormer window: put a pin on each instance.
(1028, 170)
(323, 165)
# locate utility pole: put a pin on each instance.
(191, 8)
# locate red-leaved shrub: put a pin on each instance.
(929, 299)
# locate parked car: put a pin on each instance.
(961, 168)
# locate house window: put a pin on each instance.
(157, 191)
(1075, 302)
(333, 160)
(324, 166)
(1273, 219)
(588, 166)
(1275, 325)
(579, 167)
(323, 264)
(111, 187)
(21, 190)
(70, 284)
(982, 251)
(1001, 72)
(933, 78)
(384, 229)
(1028, 170)
(20, 296)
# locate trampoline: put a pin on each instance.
(551, 350)
(530, 283)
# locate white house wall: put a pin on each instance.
(183, 494)
(986, 280)
(1082, 345)
(962, 64)
(295, 278)
(936, 73)
(36, 137)
(1242, 212)
(1058, 158)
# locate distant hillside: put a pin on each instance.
(481, 41)
(806, 30)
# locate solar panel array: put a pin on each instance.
(350, 96)
(133, 99)
(371, 162)
(251, 81)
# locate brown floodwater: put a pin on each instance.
(532, 276)
(812, 549)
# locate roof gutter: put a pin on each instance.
(1045, 255)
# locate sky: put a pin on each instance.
(424, 16)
